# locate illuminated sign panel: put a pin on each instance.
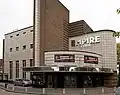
(64, 58)
(90, 59)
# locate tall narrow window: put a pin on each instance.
(31, 46)
(24, 73)
(10, 49)
(31, 74)
(17, 48)
(31, 63)
(24, 47)
(73, 43)
(17, 69)
(11, 69)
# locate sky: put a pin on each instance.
(99, 14)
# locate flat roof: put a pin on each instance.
(19, 30)
(105, 30)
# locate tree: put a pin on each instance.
(118, 11)
(118, 61)
(118, 51)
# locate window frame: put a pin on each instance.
(17, 69)
(17, 48)
(24, 65)
(24, 32)
(17, 34)
(24, 47)
(31, 46)
(11, 69)
(11, 49)
(32, 63)
(72, 43)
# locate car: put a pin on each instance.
(22, 82)
(117, 92)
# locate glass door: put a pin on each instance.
(70, 81)
(50, 81)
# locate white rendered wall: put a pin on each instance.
(18, 41)
(79, 59)
(106, 47)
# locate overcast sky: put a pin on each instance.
(99, 14)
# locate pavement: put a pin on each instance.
(3, 92)
(51, 91)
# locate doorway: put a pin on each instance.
(70, 81)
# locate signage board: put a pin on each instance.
(90, 59)
(88, 41)
(64, 58)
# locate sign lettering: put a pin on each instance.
(88, 41)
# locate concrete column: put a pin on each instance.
(37, 32)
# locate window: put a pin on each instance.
(17, 69)
(17, 48)
(31, 63)
(24, 47)
(11, 36)
(24, 73)
(24, 32)
(11, 69)
(10, 49)
(31, 45)
(24, 63)
(73, 43)
(17, 34)
(31, 74)
(31, 30)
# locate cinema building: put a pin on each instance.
(63, 54)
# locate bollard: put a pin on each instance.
(43, 90)
(6, 85)
(114, 89)
(13, 88)
(63, 90)
(102, 90)
(26, 89)
(84, 91)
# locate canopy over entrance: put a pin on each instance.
(67, 69)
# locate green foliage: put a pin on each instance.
(118, 51)
(116, 34)
(118, 11)
(118, 59)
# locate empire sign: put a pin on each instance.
(88, 41)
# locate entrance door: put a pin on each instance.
(50, 81)
(87, 81)
(70, 81)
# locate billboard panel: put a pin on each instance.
(90, 59)
(64, 58)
